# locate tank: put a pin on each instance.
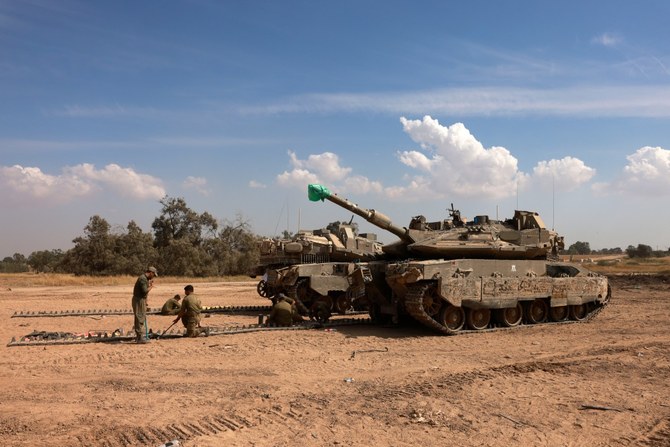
(524, 236)
(313, 266)
(453, 274)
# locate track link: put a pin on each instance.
(43, 338)
(415, 309)
(151, 311)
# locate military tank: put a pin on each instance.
(313, 267)
(455, 274)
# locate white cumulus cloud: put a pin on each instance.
(257, 185)
(20, 183)
(198, 184)
(25, 184)
(456, 163)
(450, 162)
(325, 168)
(319, 168)
(647, 173)
(125, 181)
(566, 174)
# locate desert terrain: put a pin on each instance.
(605, 382)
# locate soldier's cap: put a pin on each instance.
(153, 270)
(188, 288)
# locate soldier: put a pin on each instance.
(171, 306)
(284, 313)
(143, 286)
(190, 313)
(320, 311)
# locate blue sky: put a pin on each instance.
(404, 107)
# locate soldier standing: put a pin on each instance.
(190, 313)
(143, 286)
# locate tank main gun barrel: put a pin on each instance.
(317, 192)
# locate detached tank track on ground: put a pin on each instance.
(37, 338)
(152, 311)
(414, 306)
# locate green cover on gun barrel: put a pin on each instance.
(317, 192)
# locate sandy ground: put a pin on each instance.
(519, 387)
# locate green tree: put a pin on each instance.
(579, 248)
(46, 261)
(644, 251)
(93, 253)
(641, 251)
(135, 250)
(235, 250)
(181, 236)
(178, 222)
(14, 264)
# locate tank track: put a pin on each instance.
(151, 311)
(415, 309)
(43, 338)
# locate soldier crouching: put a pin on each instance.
(191, 308)
(284, 312)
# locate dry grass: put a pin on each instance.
(9, 280)
(606, 265)
(659, 266)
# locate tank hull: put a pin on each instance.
(451, 295)
(326, 283)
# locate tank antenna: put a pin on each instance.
(553, 201)
(517, 194)
(281, 212)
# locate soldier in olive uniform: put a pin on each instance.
(171, 306)
(190, 313)
(143, 286)
(284, 313)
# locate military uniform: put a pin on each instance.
(139, 302)
(171, 307)
(191, 318)
(284, 313)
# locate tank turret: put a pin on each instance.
(338, 242)
(524, 236)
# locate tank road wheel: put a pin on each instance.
(559, 313)
(537, 311)
(452, 318)
(511, 316)
(264, 289)
(478, 319)
(432, 303)
(578, 312)
(342, 303)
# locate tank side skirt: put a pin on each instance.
(500, 292)
(413, 304)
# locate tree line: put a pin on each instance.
(185, 243)
(182, 243)
(641, 251)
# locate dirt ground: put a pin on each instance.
(600, 383)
